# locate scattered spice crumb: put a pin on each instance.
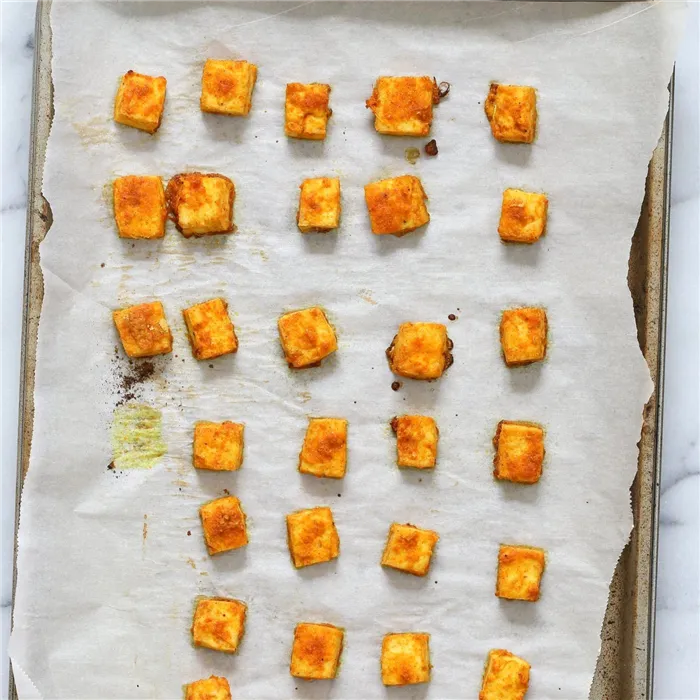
(189, 533)
(227, 492)
(102, 264)
(420, 480)
(443, 89)
(211, 366)
(110, 465)
(452, 317)
(339, 495)
(396, 386)
(431, 148)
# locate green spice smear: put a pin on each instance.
(136, 437)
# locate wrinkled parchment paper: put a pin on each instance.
(110, 563)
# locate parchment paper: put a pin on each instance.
(110, 563)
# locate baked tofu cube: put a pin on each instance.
(306, 110)
(316, 651)
(523, 335)
(212, 688)
(512, 113)
(506, 676)
(519, 572)
(405, 658)
(416, 441)
(403, 106)
(140, 100)
(306, 337)
(312, 536)
(144, 330)
(223, 522)
(519, 452)
(219, 624)
(201, 205)
(396, 206)
(319, 205)
(409, 549)
(227, 87)
(420, 351)
(210, 329)
(523, 216)
(218, 446)
(139, 206)
(325, 448)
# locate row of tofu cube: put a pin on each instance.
(419, 350)
(201, 204)
(318, 646)
(402, 105)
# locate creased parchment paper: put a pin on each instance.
(110, 563)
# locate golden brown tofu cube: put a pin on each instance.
(506, 676)
(144, 330)
(219, 624)
(396, 206)
(519, 572)
(201, 205)
(316, 651)
(523, 216)
(218, 446)
(523, 335)
(210, 329)
(212, 688)
(416, 441)
(512, 113)
(306, 110)
(325, 448)
(139, 206)
(223, 522)
(140, 100)
(306, 337)
(312, 536)
(420, 351)
(227, 87)
(319, 205)
(403, 106)
(409, 549)
(519, 452)
(406, 658)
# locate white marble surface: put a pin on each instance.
(677, 667)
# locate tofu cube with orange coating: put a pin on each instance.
(420, 351)
(219, 624)
(396, 206)
(319, 205)
(506, 676)
(306, 337)
(519, 572)
(139, 206)
(523, 216)
(201, 205)
(512, 112)
(210, 330)
(325, 448)
(212, 688)
(316, 651)
(416, 441)
(523, 335)
(306, 110)
(409, 549)
(519, 452)
(403, 106)
(312, 536)
(140, 100)
(144, 330)
(218, 446)
(224, 525)
(406, 658)
(227, 87)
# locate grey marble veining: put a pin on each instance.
(677, 671)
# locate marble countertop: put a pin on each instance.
(677, 667)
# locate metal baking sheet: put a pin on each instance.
(625, 664)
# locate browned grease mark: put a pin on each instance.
(304, 396)
(94, 132)
(366, 295)
(190, 561)
(145, 527)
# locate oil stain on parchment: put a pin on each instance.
(136, 437)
